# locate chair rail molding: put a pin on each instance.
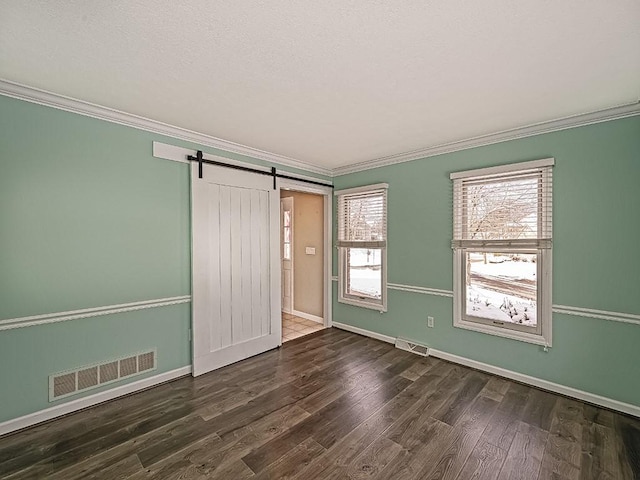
(21, 322)
(622, 317)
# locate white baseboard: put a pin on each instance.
(308, 316)
(540, 383)
(89, 401)
(366, 333)
(511, 375)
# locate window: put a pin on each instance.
(286, 241)
(362, 246)
(502, 250)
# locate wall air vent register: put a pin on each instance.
(88, 377)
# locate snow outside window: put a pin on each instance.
(362, 246)
(502, 250)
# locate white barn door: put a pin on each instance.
(235, 266)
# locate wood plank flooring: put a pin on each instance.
(332, 405)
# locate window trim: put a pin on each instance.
(544, 303)
(544, 269)
(286, 228)
(371, 303)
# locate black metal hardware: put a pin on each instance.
(199, 158)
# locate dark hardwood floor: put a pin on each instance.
(332, 405)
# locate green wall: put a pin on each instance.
(88, 218)
(596, 264)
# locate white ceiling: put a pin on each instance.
(333, 82)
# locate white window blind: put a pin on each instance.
(502, 233)
(362, 218)
(511, 209)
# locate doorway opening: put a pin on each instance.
(303, 259)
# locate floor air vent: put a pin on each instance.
(412, 347)
(71, 382)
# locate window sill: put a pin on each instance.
(503, 332)
(364, 304)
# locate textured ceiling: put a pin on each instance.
(330, 82)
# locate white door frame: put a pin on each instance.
(179, 154)
(327, 193)
(282, 260)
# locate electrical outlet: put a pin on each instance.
(430, 322)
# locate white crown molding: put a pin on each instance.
(22, 322)
(89, 401)
(69, 104)
(510, 374)
(573, 121)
